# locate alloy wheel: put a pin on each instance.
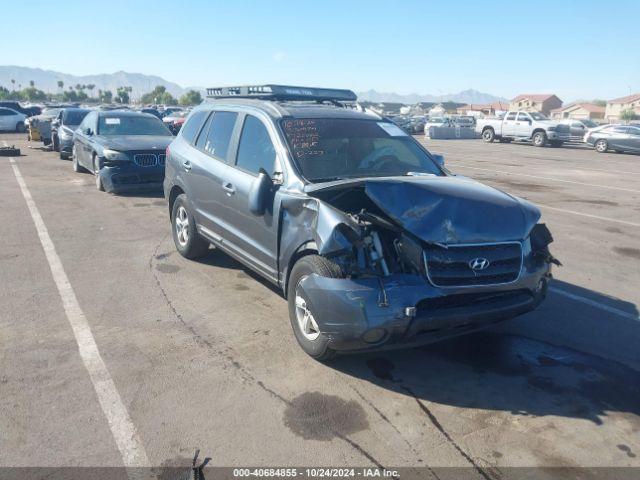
(306, 322)
(182, 226)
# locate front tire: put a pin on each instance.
(601, 146)
(186, 238)
(539, 139)
(305, 328)
(488, 135)
(76, 166)
(96, 172)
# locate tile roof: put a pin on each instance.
(589, 107)
(536, 97)
(627, 99)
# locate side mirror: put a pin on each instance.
(258, 194)
(439, 159)
(87, 131)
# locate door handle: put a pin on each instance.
(229, 188)
(187, 165)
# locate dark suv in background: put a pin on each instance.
(371, 239)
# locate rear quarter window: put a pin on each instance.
(193, 125)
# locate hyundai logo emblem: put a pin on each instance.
(478, 264)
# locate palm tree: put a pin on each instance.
(13, 82)
(60, 84)
(32, 83)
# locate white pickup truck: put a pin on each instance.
(519, 125)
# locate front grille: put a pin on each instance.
(451, 266)
(161, 159)
(145, 159)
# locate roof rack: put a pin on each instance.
(283, 92)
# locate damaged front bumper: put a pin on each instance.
(402, 309)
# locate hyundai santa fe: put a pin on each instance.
(372, 241)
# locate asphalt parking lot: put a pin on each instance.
(202, 355)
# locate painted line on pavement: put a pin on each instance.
(593, 303)
(588, 215)
(122, 428)
(547, 178)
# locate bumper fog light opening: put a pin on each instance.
(374, 335)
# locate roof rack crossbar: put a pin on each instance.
(283, 92)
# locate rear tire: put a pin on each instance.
(64, 156)
(56, 143)
(488, 135)
(601, 146)
(539, 139)
(309, 337)
(186, 238)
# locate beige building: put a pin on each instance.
(617, 105)
(536, 102)
(579, 111)
(486, 109)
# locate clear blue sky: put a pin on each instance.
(577, 49)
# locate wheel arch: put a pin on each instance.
(173, 194)
(307, 248)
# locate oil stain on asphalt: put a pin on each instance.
(628, 252)
(316, 416)
(167, 268)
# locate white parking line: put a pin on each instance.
(593, 303)
(612, 171)
(122, 428)
(547, 178)
(588, 215)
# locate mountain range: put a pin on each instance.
(47, 80)
(466, 96)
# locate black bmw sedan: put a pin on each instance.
(125, 150)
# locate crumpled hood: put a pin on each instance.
(450, 210)
(136, 142)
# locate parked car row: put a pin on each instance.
(370, 239)
(540, 131)
(422, 123)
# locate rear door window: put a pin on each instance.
(256, 150)
(511, 116)
(219, 134)
(193, 125)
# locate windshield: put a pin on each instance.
(131, 125)
(74, 117)
(331, 149)
(537, 116)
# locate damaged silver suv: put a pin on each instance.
(372, 241)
